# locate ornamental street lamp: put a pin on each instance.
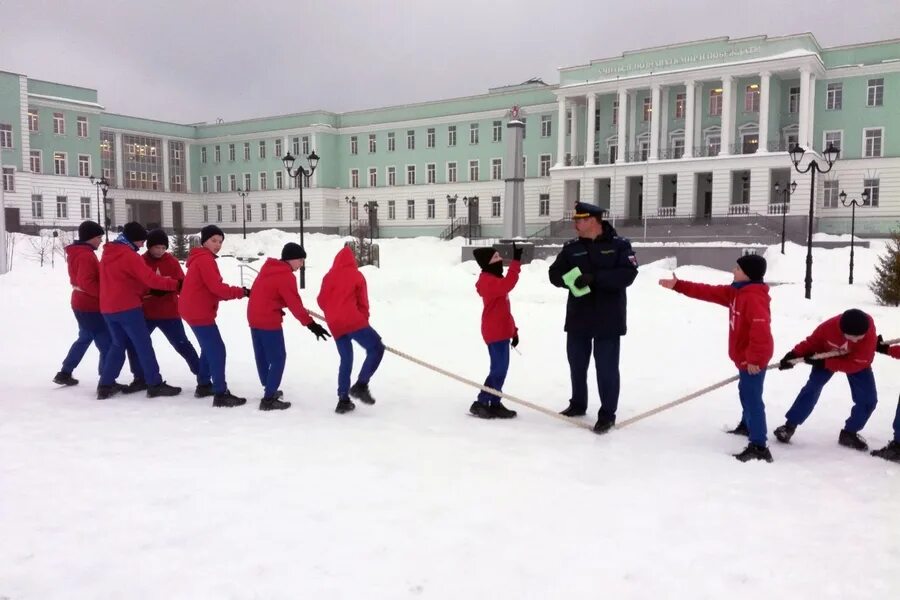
(853, 204)
(471, 203)
(243, 196)
(372, 211)
(351, 202)
(830, 155)
(102, 185)
(300, 175)
(785, 202)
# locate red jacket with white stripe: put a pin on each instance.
(203, 289)
(163, 307)
(84, 275)
(274, 289)
(497, 323)
(828, 337)
(125, 278)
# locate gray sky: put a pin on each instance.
(194, 60)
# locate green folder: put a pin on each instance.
(569, 279)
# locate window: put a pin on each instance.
(546, 125)
(231, 153)
(613, 151)
(429, 207)
(218, 183)
(218, 213)
(430, 173)
(495, 206)
(451, 208)
(85, 207)
(833, 137)
(745, 190)
(714, 145)
(33, 121)
(279, 180)
(410, 209)
(246, 151)
(872, 142)
(372, 143)
(451, 135)
(234, 213)
(354, 145)
(205, 218)
(5, 135)
(204, 185)
(263, 180)
(279, 212)
(9, 179)
(830, 197)
(496, 168)
(794, 100)
(59, 124)
(544, 205)
(644, 150)
(451, 172)
(411, 175)
(37, 206)
(544, 166)
(59, 163)
(473, 170)
(473, 133)
(871, 186)
(297, 211)
(84, 165)
(392, 142)
(279, 150)
(295, 146)
(263, 212)
(647, 109)
(304, 141)
(834, 96)
(568, 122)
(203, 154)
(262, 148)
(680, 105)
(247, 182)
(751, 98)
(497, 131)
(875, 92)
(615, 115)
(715, 102)
(34, 160)
(373, 177)
(392, 210)
(411, 140)
(217, 155)
(232, 183)
(354, 178)
(597, 119)
(62, 207)
(392, 176)
(430, 138)
(249, 213)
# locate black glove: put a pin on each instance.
(815, 363)
(584, 280)
(158, 292)
(517, 252)
(246, 292)
(318, 331)
(179, 286)
(786, 363)
(515, 341)
(881, 347)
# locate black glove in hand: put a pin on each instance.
(514, 341)
(881, 347)
(158, 292)
(246, 292)
(815, 363)
(318, 331)
(517, 252)
(786, 363)
(584, 280)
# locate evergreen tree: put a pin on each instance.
(182, 245)
(886, 285)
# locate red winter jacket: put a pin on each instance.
(84, 275)
(750, 331)
(828, 337)
(275, 288)
(163, 307)
(497, 323)
(203, 289)
(343, 296)
(124, 278)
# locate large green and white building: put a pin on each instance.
(691, 130)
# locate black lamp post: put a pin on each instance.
(785, 202)
(102, 185)
(853, 204)
(301, 174)
(372, 211)
(471, 203)
(243, 196)
(350, 200)
(830, 155)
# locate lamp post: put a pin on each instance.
(830, 155)
(785, 202)
(853, 204)
(350, 200)
(243, 196)
(372, 211)
(301, 174)
(102, 185)
(471, 203)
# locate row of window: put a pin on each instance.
(834, 94)
(62, 207)
(60, 163)
(59, 123)
(831, 196)
(450, 173)
(299, 147)
(431, 136)
(246, 184)
(872, 141)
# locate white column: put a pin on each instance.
(763, 145)
(811, 128)
(664, 119)
(727, 114)
(654, 122)
(803, 123)
(560, 131)
(622, 135)
(632, 123)
(591, 110)
(573, 134)
(690, 89)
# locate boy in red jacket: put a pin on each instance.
(124, 278)
(498, 328)
(852, 332)
(198, 304)
(750, 344)
(892, 450)
(345, 301)
(161, 308)
(275, 289)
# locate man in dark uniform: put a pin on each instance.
(596, 319)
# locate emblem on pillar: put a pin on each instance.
(515, 112)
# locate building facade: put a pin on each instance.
(694, 130)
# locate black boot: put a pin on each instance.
(360, 391)
(162, 389)
(784, 433)
(852, 440)
(273, 403)
(63, 378)
(501, 412)
(890, 452)
(604, 424)
(482, 410)
(741, 429)
(138, 385)
(104, 392)
(228, 400)
(754, 452)
(574, 411)
(344, 405)
(203, 390)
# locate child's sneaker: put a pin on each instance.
(482, 410)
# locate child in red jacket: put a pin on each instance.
(345, 301)
(161, 307)
(852, 332)
(498, 328)
(275, 289)
(892, 450)
(750, 344)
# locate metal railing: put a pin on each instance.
(243, 266)
(575, 161)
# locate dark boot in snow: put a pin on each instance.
(203, 390)
(574, 411)
(852, 440)
(104, 392)
(361, 392)
(784, 433)
(754, 452)
(138, 385)
(163, 389)
(890, 452)
(228, 400)
(741, 429)
(273, 403)
(482, 410)
(604, 424)
(344, 405)
(501, 412)
(63, 378)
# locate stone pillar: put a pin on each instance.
(690, 92)
(727, 115)
(764, 79)
(622, 122)
(803, 123)
(654, 122)
(810, 128)
(573, 134)
(514, 189)
(561, 131)
(591, 133)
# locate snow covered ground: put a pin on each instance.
(411, 498)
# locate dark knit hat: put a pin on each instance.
(88, 231)
(483, 255)
(292, 251)
(753, 265)
(209, 231)
(134, 232)
(157, 237)
(854, 322)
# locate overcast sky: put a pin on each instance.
(191, 60)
